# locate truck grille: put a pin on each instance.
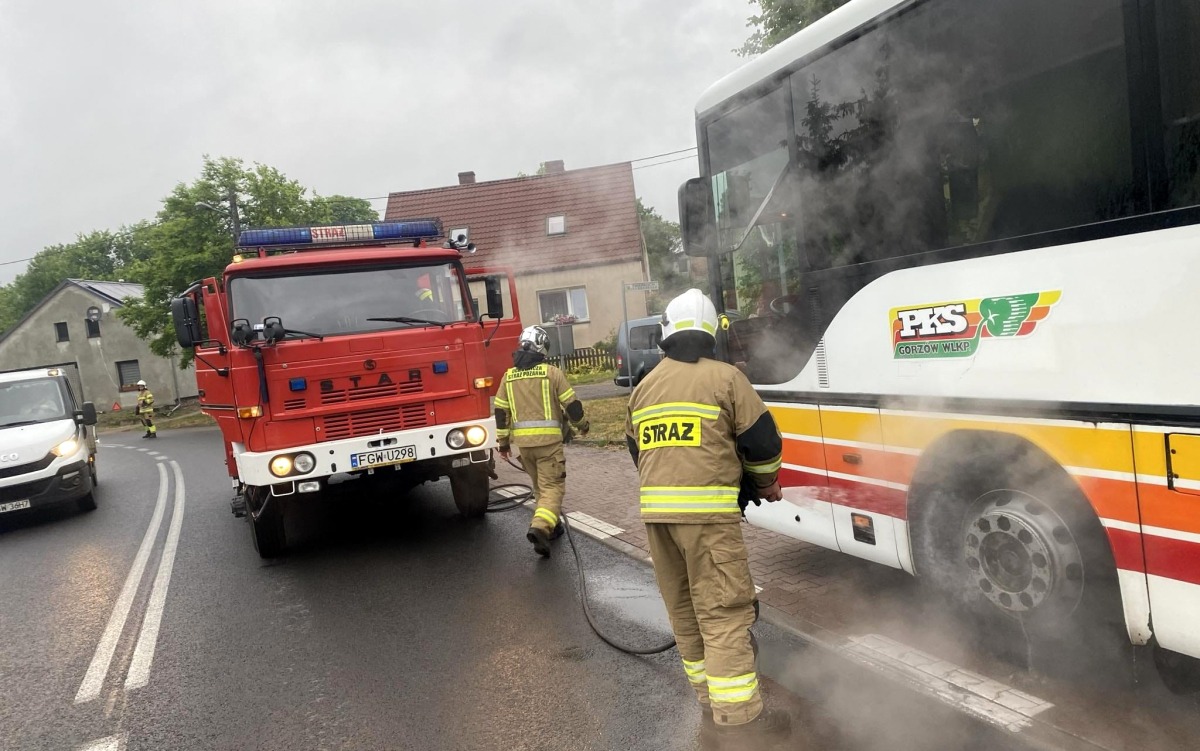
(371, 392)
(375, 421)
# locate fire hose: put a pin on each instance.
(520, 499)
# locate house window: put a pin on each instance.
(128, 373)
(563, 302)
(60, 332)
(93, 328)
(556, 225)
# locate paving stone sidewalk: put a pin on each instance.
(824, 587)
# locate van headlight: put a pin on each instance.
(67, 447)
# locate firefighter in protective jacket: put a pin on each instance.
(530, 404)
(145, 410)
(695, 427)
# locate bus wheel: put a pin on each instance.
(1017, 546)
(266, 517)
(1021, 556)
(470, 487)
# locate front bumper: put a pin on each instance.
(67, 483)
(334, 456)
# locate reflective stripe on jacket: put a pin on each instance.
(685, 419)
(533, 400)
(145, 402)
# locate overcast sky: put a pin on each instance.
(105, 106)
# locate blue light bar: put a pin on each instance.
(340, 233)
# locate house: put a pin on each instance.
(77, 324)
(571, 236)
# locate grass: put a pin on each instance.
(188, 416)
(607, 417)
(591, 376)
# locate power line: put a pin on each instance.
(656, 156)
(669, 161)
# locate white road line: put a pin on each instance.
(152, 453)
(143, 653)
(111, 743)
(93, 681)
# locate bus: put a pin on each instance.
(962, 241)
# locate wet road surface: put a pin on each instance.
(151, 623)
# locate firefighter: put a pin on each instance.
(145, 409)
(696, 428)
(530, 404)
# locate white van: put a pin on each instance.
(47, 442)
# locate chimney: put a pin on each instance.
(555, 167)
(468, 178)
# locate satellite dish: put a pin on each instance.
(93, 313)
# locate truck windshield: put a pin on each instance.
(343, 301)
(30, 402)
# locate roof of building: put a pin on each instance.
(113, 293)
(507, 219)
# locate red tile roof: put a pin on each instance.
(507, 218)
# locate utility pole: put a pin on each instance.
(235, 220)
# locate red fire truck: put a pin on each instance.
(351, 349)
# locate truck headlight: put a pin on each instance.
(456, 438)
(304, 463)
(67, 447)
(281, 466)
(476, 435)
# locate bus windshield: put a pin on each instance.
(332, 302)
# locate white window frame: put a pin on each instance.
(550, 226)
(570, 304)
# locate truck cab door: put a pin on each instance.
(494, 295)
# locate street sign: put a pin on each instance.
(641, 286)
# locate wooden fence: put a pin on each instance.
(588, 357)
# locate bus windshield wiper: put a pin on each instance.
(410, 319)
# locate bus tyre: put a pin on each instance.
(470, 488)
(266, 517)
(1019, 545)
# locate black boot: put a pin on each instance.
(770, 725)
(557, 532)
(540, 540)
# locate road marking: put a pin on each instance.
(143, 653)
(93, 681)
(971, 692)
(143, 450)
(111, 743)
(152, 453)
(159, 458)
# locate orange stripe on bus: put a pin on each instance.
(804, 453)
(1163, 507)
(1112, 499)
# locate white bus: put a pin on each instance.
(963, 241)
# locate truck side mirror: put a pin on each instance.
(187, 321)
(696, 223)
(86, 415)
(495, 297)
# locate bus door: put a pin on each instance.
(1168, 480)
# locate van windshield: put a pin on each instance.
(30, 402)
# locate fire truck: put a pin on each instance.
(349, 350)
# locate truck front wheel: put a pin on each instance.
(266, 517)
(470, 487)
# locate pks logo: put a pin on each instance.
(955, 329)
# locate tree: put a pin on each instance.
(102, 255)
(779, 19)
(664, 251)
(190, 240)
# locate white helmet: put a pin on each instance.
(691, 311)
(141, 383)
(534, 339)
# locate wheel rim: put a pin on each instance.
(1021, 555)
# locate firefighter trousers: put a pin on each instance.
(547, 468)
(148, 423)
(704, 576)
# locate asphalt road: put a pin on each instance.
(151, 623)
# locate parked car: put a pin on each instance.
(47, 443)
(637, 350)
